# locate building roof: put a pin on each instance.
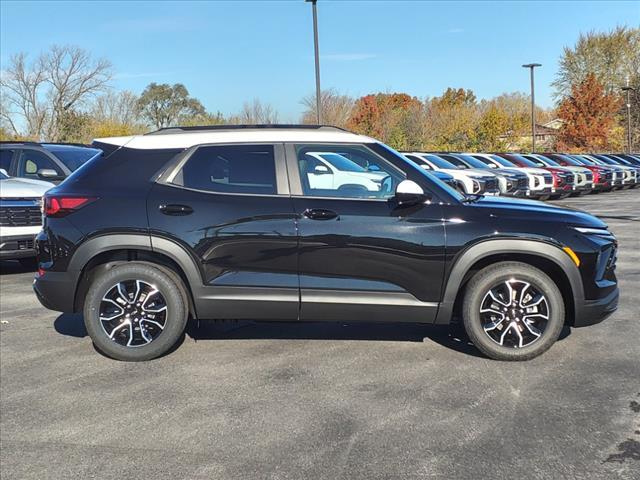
(185, 137)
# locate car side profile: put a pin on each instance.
(223, 223)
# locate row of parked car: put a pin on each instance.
(532, 175)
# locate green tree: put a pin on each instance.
(491, 129)
(164, 105)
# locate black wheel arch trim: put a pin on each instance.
(135, 241)
(470, 256)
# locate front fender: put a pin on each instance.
(469, 257)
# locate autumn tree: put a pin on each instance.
(164, 105)
(614, 58)
(491, 129)
(589, 115)
(451, 121)
(389, 117)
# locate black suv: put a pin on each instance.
(245, 223)
(52, 162)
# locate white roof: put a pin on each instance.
(188, 139)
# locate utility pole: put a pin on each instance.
(531, 66)
(317, 58)
(628, 89)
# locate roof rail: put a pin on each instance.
(204, 128)
(31, 142)
(19, 142)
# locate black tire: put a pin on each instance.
(495, 275)
(168, 287)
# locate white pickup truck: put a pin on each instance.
(20, 216)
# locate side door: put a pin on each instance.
(229, 207)
(37, 165)
(362, 258)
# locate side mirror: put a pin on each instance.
(47, 173)
(4, 172)
(373, 168)
(409, 193)
(321, 170)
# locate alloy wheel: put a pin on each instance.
(514, 313)
(133, 313)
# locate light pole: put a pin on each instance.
(317, 56)
(531, 66)
(628, 89)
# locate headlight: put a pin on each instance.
(594, 231)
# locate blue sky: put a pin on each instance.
(227, 53)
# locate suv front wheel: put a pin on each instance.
(512, 311)
(135, 311)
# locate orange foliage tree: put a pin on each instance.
(589, 116)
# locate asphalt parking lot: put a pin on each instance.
(323, 401)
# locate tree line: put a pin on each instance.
(64, 95)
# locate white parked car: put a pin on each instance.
(468, 180)
(20, 216)
(540, 180)
(332, 171)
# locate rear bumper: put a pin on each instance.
(56, 290)
(18, 246)
(594, 311)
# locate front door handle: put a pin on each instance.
(319, 214)
(176, 210)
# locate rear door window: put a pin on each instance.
(247, 169)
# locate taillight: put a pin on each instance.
(59, 206)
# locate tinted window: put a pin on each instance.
(378, 180)
(440, 162)
(32, 161)
(455, 161)
(232, 169)
(74, 157)
(6, 154)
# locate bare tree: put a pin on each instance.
(116, 107)
(256, 113)
(336, 108)
(41, 95)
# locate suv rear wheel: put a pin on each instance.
(135, 311)
(512, 311)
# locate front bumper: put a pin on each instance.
(18, 246)
(594, 311)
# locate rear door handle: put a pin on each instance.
(319, 214)
(176, 210)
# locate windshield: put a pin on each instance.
(582, 160)
(547, 160)
(440, 162)
(73, 157)
(472, 162)
(341, 163)
(502, 161)
(525, 161)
